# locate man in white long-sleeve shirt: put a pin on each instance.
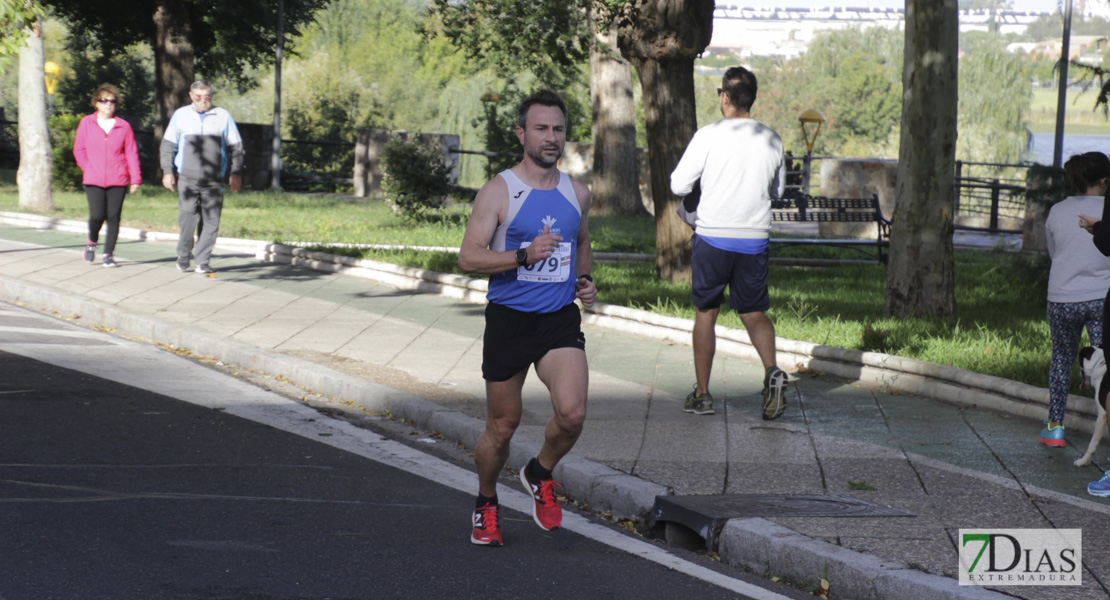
(739, 163)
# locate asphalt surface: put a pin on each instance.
(111, 490)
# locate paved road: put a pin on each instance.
(128, 472)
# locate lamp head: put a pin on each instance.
(51, 70)
(811, 116)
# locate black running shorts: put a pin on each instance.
(745, 275)
(514, 340)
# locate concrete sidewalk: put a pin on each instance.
(419, 355)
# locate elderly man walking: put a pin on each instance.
(201, 144)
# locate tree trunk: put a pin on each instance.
(33, 176)
(671, 120)
(173, 61)
(615, 187)
(662, 38)
(920, 274)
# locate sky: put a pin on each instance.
(1019, 5)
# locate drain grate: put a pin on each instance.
(706, 515)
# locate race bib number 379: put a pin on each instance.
(553, 269)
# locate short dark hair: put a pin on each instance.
(109, 88)
(543, 98)
(741, 87)
(1086, 170)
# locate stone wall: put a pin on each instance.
(368, 148)
(858, 178)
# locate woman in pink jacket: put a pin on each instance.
(106, 152)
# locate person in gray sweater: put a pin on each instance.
(1077, 282)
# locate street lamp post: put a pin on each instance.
(811, 120)
(51, 70)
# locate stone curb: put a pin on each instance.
(763, 546)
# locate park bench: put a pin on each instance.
(803, 208)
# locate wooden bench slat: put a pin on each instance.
(822, 209)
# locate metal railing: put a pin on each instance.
(994, 191)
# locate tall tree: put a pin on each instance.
(662, 38)
(214, 38)
(21, 31)
(920, 274)
(552, 38)
(616, 168)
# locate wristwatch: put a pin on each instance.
(586, 276)
(522, 257)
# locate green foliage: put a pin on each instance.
(872, 100)
(414, 177)
(1046, 185)
(66, 175)
(228, 38)
(993, 100)
(1051, 27)
(16, 17)
(852, 76)
(498, 128)
(85, 66)
(546, 37)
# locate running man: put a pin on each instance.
(528, 232)
(739, 162)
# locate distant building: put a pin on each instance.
(787, 32)
(1084, 48)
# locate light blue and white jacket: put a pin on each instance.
(201, 145)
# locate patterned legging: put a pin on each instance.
(1065, 324)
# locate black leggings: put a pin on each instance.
(1104, 386)
(105, 204)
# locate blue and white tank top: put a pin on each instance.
(548, 285)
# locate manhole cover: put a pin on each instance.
(706, 515)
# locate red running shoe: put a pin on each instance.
(545, 508)
(487, 531)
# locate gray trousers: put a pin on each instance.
(199, 204)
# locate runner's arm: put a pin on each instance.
(491, 206)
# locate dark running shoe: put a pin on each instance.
(109, 262)
(774, 394)
(205, 269)
(545, 508)
(90, 253)
(487, 531)
(699, 405)
(183, 266)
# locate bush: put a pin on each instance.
(67, 175)
(414, 177)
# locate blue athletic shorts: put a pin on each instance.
(513, 340)
(744, 274)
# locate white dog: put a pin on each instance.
(1093, 365)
